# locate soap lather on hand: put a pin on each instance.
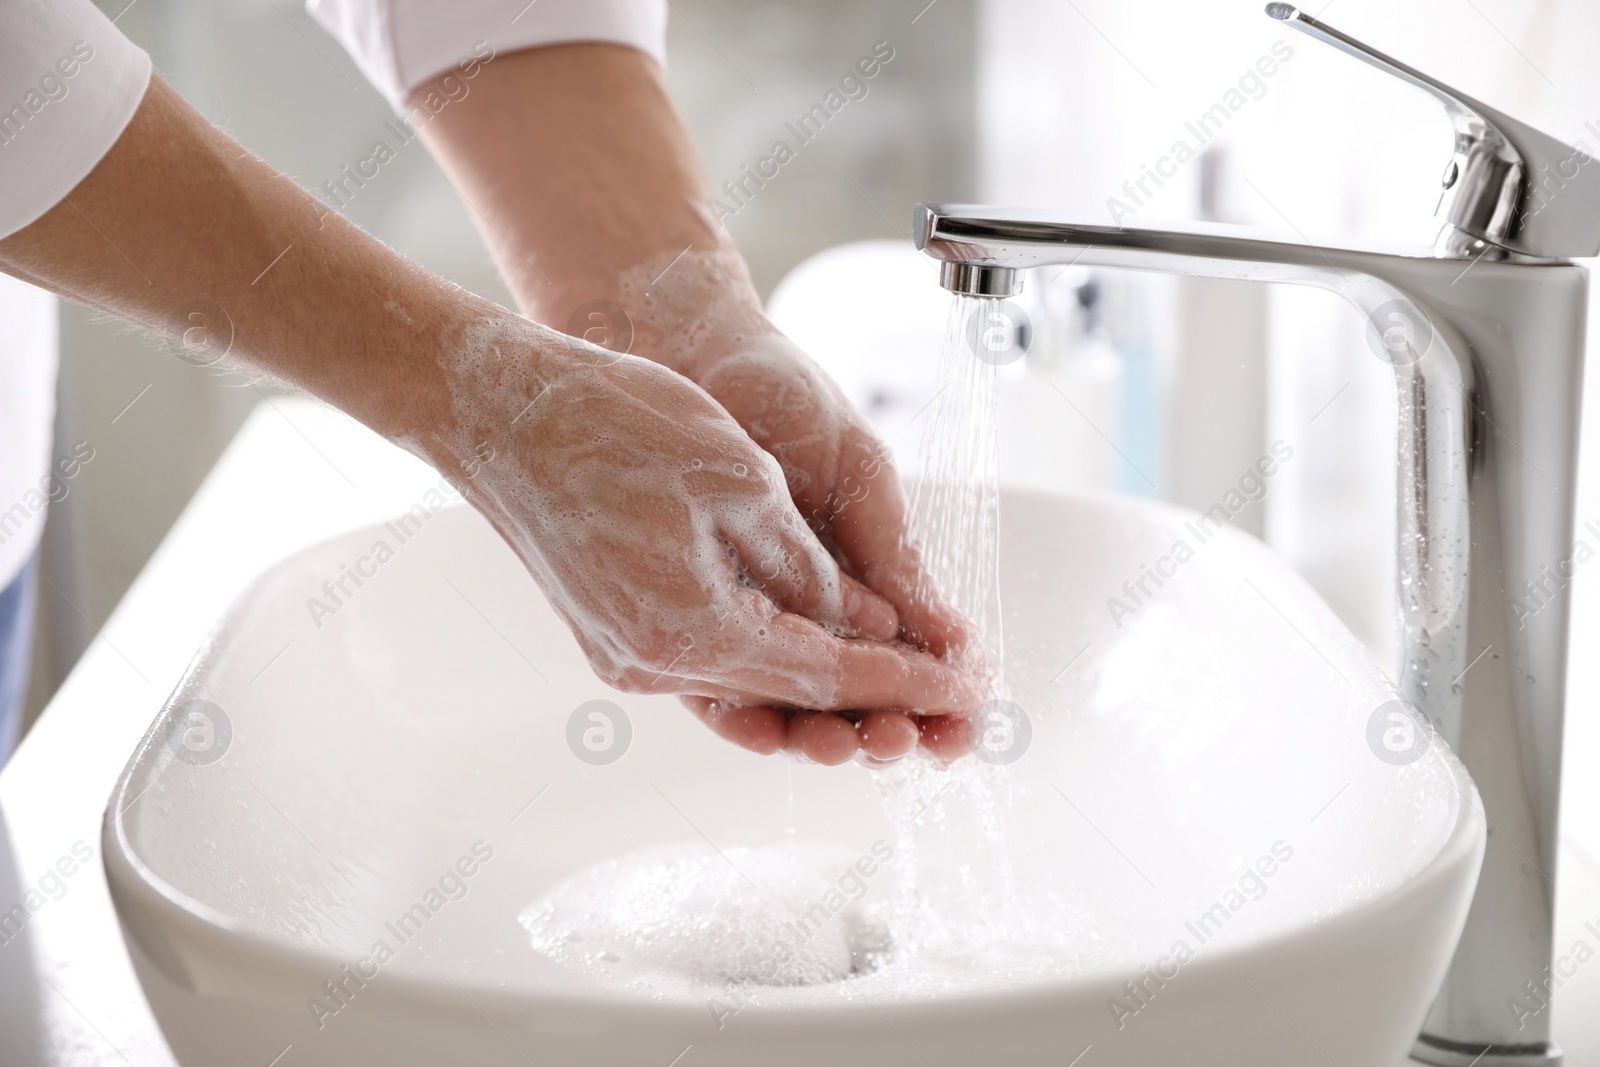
(787, 604)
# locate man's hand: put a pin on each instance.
(701, 317)
(668, 541)
(841, 477)
(588, 189)
(839, 474)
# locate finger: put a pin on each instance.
(887, 735)
(781, 659)
(867, 614)
(874, 675)
(945, 736)
(787, 562)
(762, 730)
(872, 531)
(791, 661)
(822, 737)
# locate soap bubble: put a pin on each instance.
(1001, 732)
(199, 732)
(599, 732)
(604, 325)
(1398, 732)
(999, 332)
(1399, 332)
(688, 916)
(204, 333)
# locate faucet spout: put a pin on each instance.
(1488, 371)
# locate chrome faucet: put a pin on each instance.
(1485, 332)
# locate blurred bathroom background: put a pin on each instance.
(1166, 388)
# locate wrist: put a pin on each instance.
(481, 374)
(688, 310)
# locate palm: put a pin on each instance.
(843, 483)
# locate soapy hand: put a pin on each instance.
(599, 215)
(841, 479)
(701, 317)
(667, 540)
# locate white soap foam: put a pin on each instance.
(790, 923)
(687, 916)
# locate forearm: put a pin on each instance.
(641, 507)
(176, 217)
(587, 187)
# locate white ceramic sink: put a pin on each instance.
(423, 725)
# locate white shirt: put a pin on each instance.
(69, 84)
(27, 409)
(399, 44)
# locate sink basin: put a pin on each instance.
(402, 763)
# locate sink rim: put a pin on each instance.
(177, 931)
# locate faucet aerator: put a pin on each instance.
(977, 279)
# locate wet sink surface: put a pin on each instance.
(402, 743)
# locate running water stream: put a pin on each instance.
(953, 879)
(955, 501)
(952, 917)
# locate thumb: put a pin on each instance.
(784, 559)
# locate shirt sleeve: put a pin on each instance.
(399, 44)
(69, 84)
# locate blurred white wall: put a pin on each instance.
(740, 70)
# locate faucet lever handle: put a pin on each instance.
(1510, 185)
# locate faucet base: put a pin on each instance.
(1446, 1053)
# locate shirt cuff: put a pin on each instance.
(399, 44)
(69, 85)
